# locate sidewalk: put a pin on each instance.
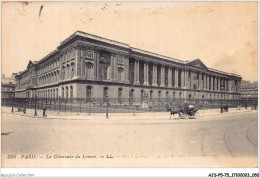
(132, 116)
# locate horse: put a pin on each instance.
(172, 112)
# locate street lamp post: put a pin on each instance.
(107, 107)
(35, 111)
(12, 105)
(221, 105)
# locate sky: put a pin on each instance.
(223, 35)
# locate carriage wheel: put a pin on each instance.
(191, 117)
(197, 114)
(185, 116)
(181, 116)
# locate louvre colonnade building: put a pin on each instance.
(88, 66)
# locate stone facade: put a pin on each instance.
(88, 66)
(249, 90)
(7, 87)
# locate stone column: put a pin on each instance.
(96, 65)
(229, 86)
(169, 77)
(77, 63)
(212, 80)
(136, 72)
(191, 79)
(115, 71)
(186, 77)
(109, 71)
(223, 84)
(82, 64)
(216, 84)
(162, 76)
(204, 81)
(207, 82)
(127, 70)
(226, 84)
(155, 76)
(200, 81)
(182, 78)
(176, 77)
(145, 73)
(112, 65)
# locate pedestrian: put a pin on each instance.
(44, 111)
(24, 109)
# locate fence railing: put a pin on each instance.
(100, 105)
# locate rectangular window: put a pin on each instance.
(159, 95)
(142, 95)
(120, 90)
(88, 94)
(131, 95)
(105, 94)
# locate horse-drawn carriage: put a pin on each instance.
(186, 111)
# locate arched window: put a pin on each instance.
(63, 72)
(57, 93)
(142, 95)
(151, 94)
(159, 95)
(71, 91)
(54, 95)
(72, 70)
(55, 77)
(180, 95)
(52, 77)
(68, 71)
(67, 92)
(173, 94)
(62, 94)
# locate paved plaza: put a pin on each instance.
(130, 140)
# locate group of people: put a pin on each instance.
(43, 111)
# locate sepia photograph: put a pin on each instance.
(107, 84)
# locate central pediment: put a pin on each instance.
(197, 63)
(30, 64)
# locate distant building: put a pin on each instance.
(91, 67)
(7, 87)
(249, 90)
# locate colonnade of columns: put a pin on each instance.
(167, 76)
